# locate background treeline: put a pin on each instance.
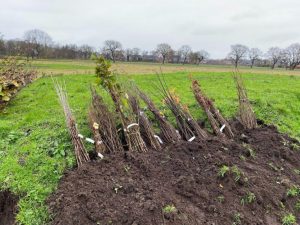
(38, 44)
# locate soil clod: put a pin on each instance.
(8, 208)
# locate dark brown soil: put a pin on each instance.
(8, 208)
(181, 185)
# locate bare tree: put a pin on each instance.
(128, 53)
(184, 52)
(2, 45)
(198, 57)
(136, 51)
(201, 55)
(36, 40)
(254, 54)
(120, 55)
(237, 53)
(38, 37)
(292, 55)
(112, 47)
(164, 50)
(274, 54)
(86, 51)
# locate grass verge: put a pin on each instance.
(35, 147)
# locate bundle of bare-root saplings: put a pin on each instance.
(154, 170)
(128, 128)
(80, 151)
(14, 74)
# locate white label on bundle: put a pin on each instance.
(99, 142)
(141, 112)
(191, 139)
(90, 140)
(131, 125)
(177, 131)
(189, 119)
(100, 155)
(158, 138)
(80, 135)
(222, 128)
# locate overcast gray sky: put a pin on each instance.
(203, 24)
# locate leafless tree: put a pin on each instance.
(131, 52)
(274, 54)
(120, 55)
(201, 55)
(237, 53)
(2, 45)
(292, 55)
(164, 50)
(86, 51)
(38, 37)
(15, 47)
(136, 51)
(184, 52)
(112, 47)
(36, 40)
(128, 53)
(254, 54)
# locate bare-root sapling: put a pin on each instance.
(80, 151)
(102, 123)
(120, 98)
(168, 132)
(246, 114)
(217, 121)
(146, 127)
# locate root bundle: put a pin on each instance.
(102, 123)
(217, 121)
(188, 128)
(146, 128)
(168, 132)
(130, 126)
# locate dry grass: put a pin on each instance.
(88, 67)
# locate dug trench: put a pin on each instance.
(252, 179)
(8, 208)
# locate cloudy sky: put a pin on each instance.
(203, 24)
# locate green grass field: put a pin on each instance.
(34, 144)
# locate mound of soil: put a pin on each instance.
(8, 208)
(184, 184)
